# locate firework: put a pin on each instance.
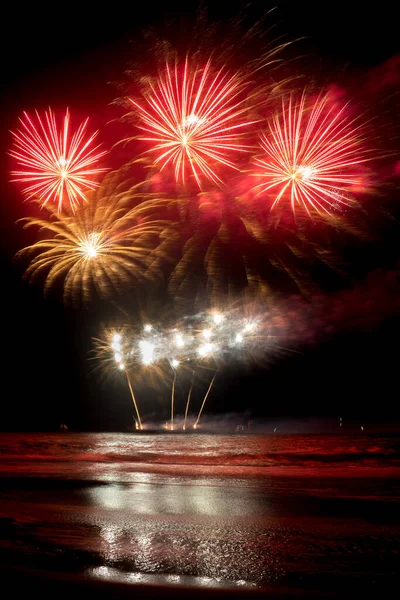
(313, 154)
(188, 399)
(194, 119)
(202, 342)
(204, 401)
(134, 400)
(147, 351)
(113, 352)
(174, 365)
(58, 165)
(102, 245)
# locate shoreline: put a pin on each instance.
(156, 516)
(60, 585)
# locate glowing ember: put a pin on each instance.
(147, 350)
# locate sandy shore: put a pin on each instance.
(78, 516)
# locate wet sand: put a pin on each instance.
(87, 513)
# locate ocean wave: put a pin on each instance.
(261, 451)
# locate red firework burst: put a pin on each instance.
(59, 167)
(194, 118)
(313, 154)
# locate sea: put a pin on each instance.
(247, 513)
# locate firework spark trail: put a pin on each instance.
(134, 400)
(194, 120)
(197, 340)
(172, 401)
(202, 341)
(114, 351)
(59, 168)
(204, 401)
(312, 155)
(252, 329)
(188, 399)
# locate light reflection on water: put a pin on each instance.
(185, 580)
(201, 531)
(211, 533)
(184, 499)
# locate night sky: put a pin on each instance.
(69, 59)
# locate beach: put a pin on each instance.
(223, 514)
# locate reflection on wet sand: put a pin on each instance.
(247, 512)
(200, 531)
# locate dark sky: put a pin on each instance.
(67, 58)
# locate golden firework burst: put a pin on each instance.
(110, 242)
